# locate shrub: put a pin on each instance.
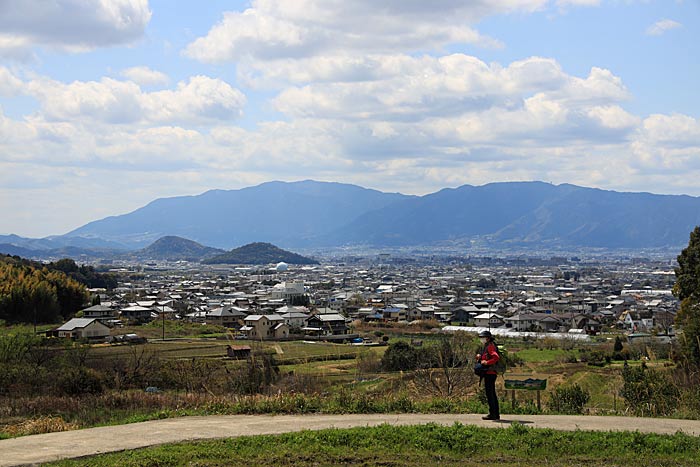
(137, 369)
(294, 382)
(368, 362)
(569, 399)
(689, 402)
(24, 378)
(649, 392)
(511, 359)
(548, 343)
(595, 357)
(568, 357)
(191, 375)
(257, 374)
(401, 356)
(620, 355)
(618, 344)
(80, 380)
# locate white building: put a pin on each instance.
(82, 328)
(490, 320)
(294, 316)
(288, 290)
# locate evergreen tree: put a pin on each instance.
(30, 294)
(687, 289)
(687, 284)
(618, 344)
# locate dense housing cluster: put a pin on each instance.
(558, 296)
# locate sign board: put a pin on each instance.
(527, 382)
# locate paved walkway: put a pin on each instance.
(32, 450)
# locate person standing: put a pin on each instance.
(489, 356)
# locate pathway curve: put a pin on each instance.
(29, 450)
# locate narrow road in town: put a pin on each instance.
(29, 450)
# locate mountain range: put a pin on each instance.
(321, 214)
(275, 212)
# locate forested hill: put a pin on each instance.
(31, 293)
(86, 275)
(259, 253)
(176, 248)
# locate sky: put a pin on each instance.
(106, 105)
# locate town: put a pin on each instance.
(516, 296)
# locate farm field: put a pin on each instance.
(311, 377)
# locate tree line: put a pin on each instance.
(30, 294)
(687, 290)
(86, 275)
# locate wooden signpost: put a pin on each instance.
(527, 382)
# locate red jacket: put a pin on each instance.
(490, 354)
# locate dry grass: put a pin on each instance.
(39, 425)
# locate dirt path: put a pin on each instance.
(35, 449)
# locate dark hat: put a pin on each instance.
(485, 334)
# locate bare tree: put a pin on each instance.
(448, 371)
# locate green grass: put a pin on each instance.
(154, 329)
(544, 355)
(408, 446)
(603, 388)
(25, 328)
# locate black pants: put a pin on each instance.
(491, 397)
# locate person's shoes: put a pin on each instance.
(490, 417)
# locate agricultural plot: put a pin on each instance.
(195, 377)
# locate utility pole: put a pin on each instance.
(490, 304)
(163, 319)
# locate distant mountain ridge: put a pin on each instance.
(259, 253)
(56, 242)
(322, 214)
(57, 247)
(276, 212)
(532, 214)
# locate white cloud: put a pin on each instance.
(108, 100)
(613, 117)
(144, 76)
(544, 138)
(661, 26)
(452, 108)
(15, 48)
(575, 3)
(201, 99)
(14, 136)
(71, 25)
(306, 28)
(167, 149)
(10, 85)
(672, 130)
(478, 101)
(198, 101)
(668, 144)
